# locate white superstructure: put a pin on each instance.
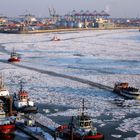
(22, 99)
(3, 90)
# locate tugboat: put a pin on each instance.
(80, 128)
(14, 57)
(3, 91)
(55, 38)
(7, 125)
(126, 91)
(22, 102)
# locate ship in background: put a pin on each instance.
(14, 57)
(125, 90)
(55, 38)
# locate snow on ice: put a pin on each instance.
(104, 57)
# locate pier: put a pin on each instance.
(35, 124)
(30, 133)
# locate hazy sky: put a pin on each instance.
(116, 8)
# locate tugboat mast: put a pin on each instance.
(71, 128)
(83, 107)
(1, 82)
(21, 86)
(13, 50)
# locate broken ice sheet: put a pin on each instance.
(116, 136)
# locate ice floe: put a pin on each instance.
(101, 56)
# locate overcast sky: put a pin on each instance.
(116, 8)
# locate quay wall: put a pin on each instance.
(67, 29)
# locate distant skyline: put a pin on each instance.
(116, 8)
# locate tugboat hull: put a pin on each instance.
(98, 136)
(7, 137)
(130, 95)
(7, 129)
(55, 40)
(65, 132)
(13, 60)
(77, 136)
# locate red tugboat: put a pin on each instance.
(14, 57)
(80, 128)
(55, 38)
(7, 125)
(23, 103)
(125, 90)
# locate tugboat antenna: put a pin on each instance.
(13, 50)
(71, 129)
(83, 107)
(21, 85)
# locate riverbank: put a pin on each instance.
(66, 30)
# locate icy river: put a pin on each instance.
(103, 57)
